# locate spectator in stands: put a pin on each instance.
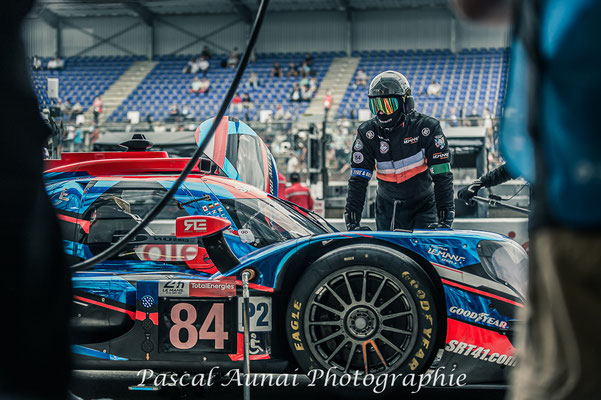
(253, 81)
(75, 111)
(306, 70)
(361, 79)
(328, 101)
(299, 194)
(276, 70)
(97, 105)
(237, 103)
(234, 58)
(452, 120)
(196, 85)
(205, 85)
(434, 89)
(206, 53)
(173, 113)
(292, 163)
(191, 67)
(56, 64)
(186, 113)
(309, 60)
(159, 127)
(306, 93)
(295, 94)
(36, 64)
(78, 139)
(473, 119)
(66, 108)
(247, 102)
(279, 113)
(203, 65)
(292, 70)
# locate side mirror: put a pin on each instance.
(199, 226)
(210, 229)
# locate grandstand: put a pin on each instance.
(471, 78)
(166, 85)
(82, 79)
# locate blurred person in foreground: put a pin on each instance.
(36, 289)
(299, 194)
(550, 122)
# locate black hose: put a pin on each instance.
(117, 247)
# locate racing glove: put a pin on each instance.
(352, 220)
(445, 220)
(466, 193)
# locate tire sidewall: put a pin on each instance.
(415, 281)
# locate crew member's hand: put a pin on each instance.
(470, 191)
(352, 220)
(445, 220)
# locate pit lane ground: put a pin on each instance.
(89, 385)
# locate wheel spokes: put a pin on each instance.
(351, 354)
(396, 330)
(349, 288)
(390, 344)
(395, 315)
(377, 294)
(340, 300)
(330, 336)
(337, 349)
(393, 298)
(330, 309)
(364, 287)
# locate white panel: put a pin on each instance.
(169, 39)
(39, 38)
(303, 31)
(408, 29)
(134, 40)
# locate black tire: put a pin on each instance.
(390, 327)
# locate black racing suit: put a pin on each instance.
(407, 160)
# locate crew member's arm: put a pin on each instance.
(362, 168)
(438, 157)
(493, 178)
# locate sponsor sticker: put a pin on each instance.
(411, 140)
(384, 147)
(479, 353)
(370, 134)
(444, 254)
(426, 131)
(441, 156)
(361, 172)
(473, 316)
(358, 145)
(246, 236)
(259, 314)
(439, 141)
(207, 288)
(357, 158)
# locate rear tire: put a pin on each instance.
(388, 326)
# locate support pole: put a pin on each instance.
(246, 365)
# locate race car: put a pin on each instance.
(360, 302)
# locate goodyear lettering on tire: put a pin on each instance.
(426, 335)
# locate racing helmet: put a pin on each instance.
(390, 97)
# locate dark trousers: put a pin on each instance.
(407, 214)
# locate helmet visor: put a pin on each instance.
(383, 105)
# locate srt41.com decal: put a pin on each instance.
(479, 353)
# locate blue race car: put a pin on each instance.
(354, 303)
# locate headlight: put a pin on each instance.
(507, 262)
